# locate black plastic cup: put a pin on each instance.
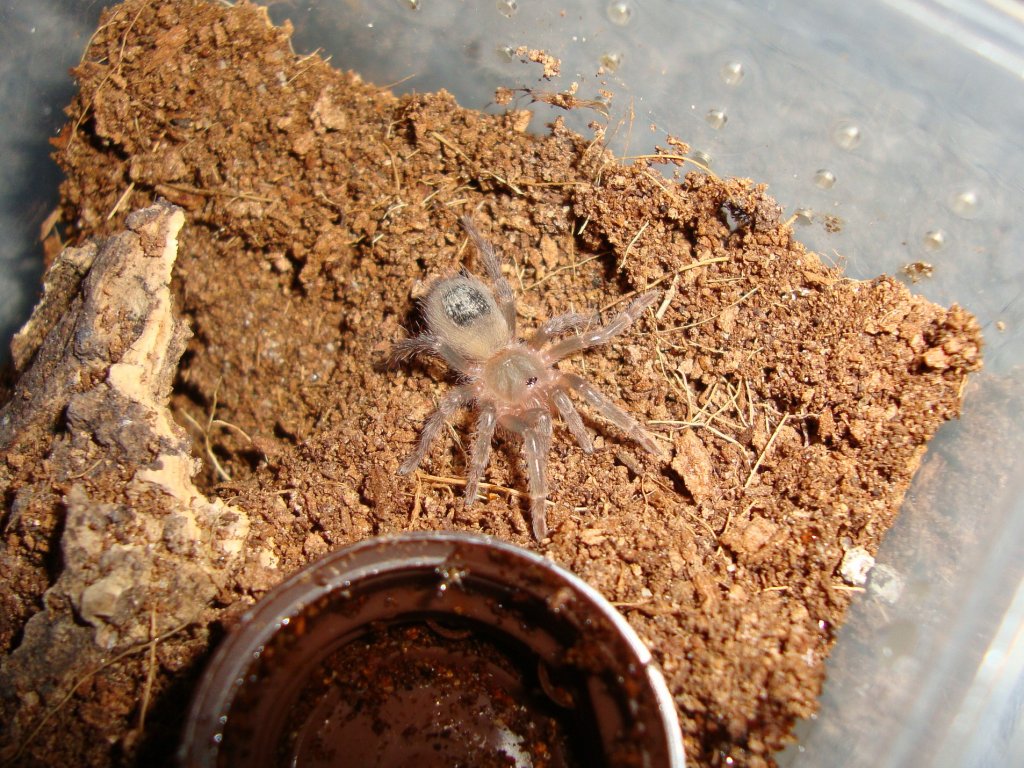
(440, 649)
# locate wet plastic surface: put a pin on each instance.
(900, 119)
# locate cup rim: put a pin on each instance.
(375, 557)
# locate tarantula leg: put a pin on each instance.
(536, 446)
(425, 344)
(605, 333)
(485, 424)
(609, 410)
(570, 321)
(450, 403)
(406, 349)
(572, 420)
(492, 264)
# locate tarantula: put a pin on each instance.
(514, 383)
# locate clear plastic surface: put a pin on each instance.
(897, 123)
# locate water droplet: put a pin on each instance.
(412, 5)
(703, 158)
(965, 203)
(732, 72)
(716, 118)
(506, 52)
(611, 61)
(934, 239)
(824, 178)
(507, 8)
(846, 135)
(620, 12)
(803, 216)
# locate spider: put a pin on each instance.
(514, 383)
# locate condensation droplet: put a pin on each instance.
(611, 61)
(934, 239)
(703, 158)
(732, 72)
(506, 52)
(620, 12)
(965, 203)
(716, 118)
(507, 7)
(412, 5)
(824, 178)
(846, 135)
(803, 216)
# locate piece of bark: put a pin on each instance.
(91, 451)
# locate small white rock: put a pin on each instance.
(856, 565)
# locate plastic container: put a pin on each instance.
(433, 649)
(901, 118)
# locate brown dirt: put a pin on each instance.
(797, 403)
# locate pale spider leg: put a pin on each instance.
(601, 335)
(609, 410)
(485, 424)
(572, 420)
(426, 344)
(536, 446)
(492, 264)
(570, 321)
(412, 346)
(450, 403)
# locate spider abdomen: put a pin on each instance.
(463, 312)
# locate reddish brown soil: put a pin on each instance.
(795, 403)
